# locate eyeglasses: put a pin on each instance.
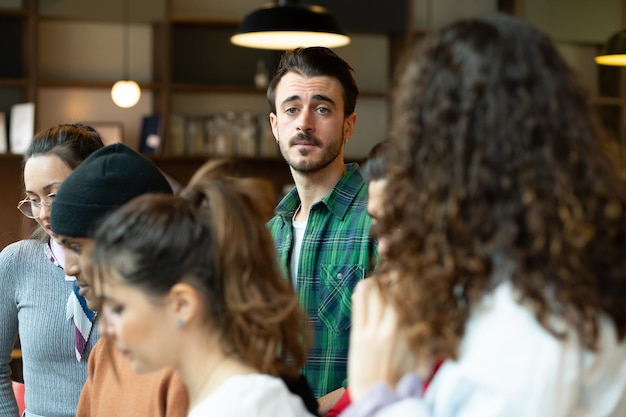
(29, 206)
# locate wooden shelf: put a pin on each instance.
(214, 88)
(14, 82)
(6, 12)
(611, 101)
(203, 21)
(240, 89)
(11, 156)
(93, 84)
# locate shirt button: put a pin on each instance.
(339, 275)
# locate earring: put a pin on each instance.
(180, 323)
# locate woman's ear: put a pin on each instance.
(185, 303)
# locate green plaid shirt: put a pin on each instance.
(335, 255)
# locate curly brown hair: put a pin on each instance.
(497, 156)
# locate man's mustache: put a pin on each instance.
(305, 137)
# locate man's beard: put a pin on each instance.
(329, 154)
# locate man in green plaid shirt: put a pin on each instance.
(321, 228)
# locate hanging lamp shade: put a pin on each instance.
(614, 50)
(287, 24)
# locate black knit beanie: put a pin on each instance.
(104, 181)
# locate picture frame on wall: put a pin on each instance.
(22, 127)
(4, 144)
(110, 132)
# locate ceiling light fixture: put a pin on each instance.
(125, 93)
(614, 50)
(286, 24)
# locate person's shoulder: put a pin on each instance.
(353, 177)
(170, 377)
(289, 202)
(22, 248)
(276, 224)
(349, 194)
(103, 351)
(253, 379)
(253, 391)
(273, 220)
(285, 208)
(357, 209)
(353, 184)
(25, 244)
(20, 260)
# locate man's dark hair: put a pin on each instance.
(312, 62)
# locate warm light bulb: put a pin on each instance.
(284, 40)
(125, 93)
(615, 59)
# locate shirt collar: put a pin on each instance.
(56, 254)
(338, 200)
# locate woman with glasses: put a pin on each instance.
(35, 289)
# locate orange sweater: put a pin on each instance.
(118, 391)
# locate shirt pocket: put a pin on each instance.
(337, 284)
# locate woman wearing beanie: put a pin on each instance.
(105, 181)
(191, 282)
(35, 289)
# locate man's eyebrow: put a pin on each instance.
(318, 97)
(322, 97)
(290, 99)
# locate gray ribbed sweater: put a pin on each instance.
(33, 296)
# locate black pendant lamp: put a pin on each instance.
(286, 24)
(614, 50)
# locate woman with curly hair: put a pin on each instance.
(506, 230)
(191, 282)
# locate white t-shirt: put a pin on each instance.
(251, 395)
(298, 237)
